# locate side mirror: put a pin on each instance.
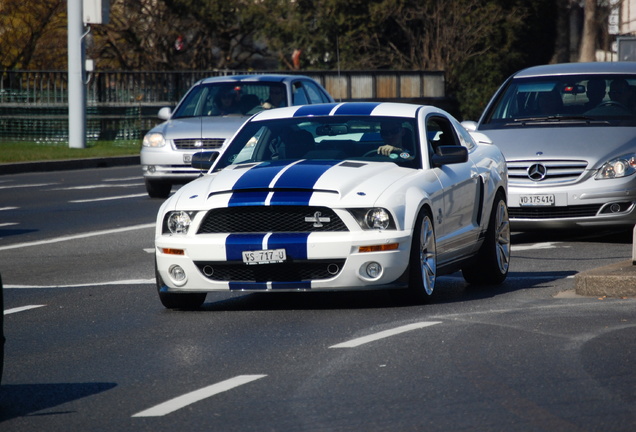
(204, 160)
(165, 113)
(469, 125)
(446, 155)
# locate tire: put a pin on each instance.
(187, 301)
(158, 189)
(490, 266)
(423, 259)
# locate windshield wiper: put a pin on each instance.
(556, 119)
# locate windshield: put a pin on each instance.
(238, 99)
(594, 99)
(324, 138)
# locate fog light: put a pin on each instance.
(177, 274)
(151, 169)
(374, 270)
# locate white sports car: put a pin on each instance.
(337, 197)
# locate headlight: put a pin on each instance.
(153, 140)
(178, 222)
(373, 218)
(616, 168)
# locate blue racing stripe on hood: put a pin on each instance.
(261, 175)
(304, 174)
(314, 110)
(357, 108)
(257, 177)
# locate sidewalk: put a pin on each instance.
(614, 280)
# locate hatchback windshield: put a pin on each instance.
(330, 138)
(230, 99)
(594, 99)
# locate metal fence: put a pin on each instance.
(123, 105)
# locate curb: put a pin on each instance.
(614, 280)
(69, 164)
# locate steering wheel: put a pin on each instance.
(612, 103)
(372, 153)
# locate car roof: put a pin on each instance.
(277, 78)
(578, 68)
(387, 109)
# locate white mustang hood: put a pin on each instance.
(301, 182)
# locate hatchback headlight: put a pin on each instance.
(154, 140)
(373, 218)
(616, 168)
(178, 222)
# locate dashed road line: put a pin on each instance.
(22, 309)
(196, 396)
(109, 198)
(384, 334)
(77, 236)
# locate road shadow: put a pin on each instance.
(449, 289)
(25, 399)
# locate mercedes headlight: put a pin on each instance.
(154, 140)
(617, 168)
(178, 222)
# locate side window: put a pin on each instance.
(299, 96)
(315, 94)
(440, 132)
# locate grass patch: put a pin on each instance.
(12, 152)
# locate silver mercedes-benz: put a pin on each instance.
(210, 113)
(568, 132)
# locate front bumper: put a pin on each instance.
(334, 250)
(591, 203)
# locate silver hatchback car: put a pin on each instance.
(568, 132)
(210, 113)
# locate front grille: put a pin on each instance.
(554, 212)
(284, 272)
(271, 219)
(199, 144)
(556, 171)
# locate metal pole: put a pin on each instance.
(76, 88)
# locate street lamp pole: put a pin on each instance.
(76, 73)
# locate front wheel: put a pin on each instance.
(158, 189)
(423, 259)
(178, 300)
(490, 266)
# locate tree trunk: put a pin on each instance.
(590, 30)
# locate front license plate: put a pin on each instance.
(536, 200)
(187, 158)
(266, 256)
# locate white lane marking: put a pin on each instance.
(536, 246)
(13, 186)
(102, 186)
(8, 208)
(116, 179)
(384, 334)
(109, 198)
(22, 309)
(91, 284)
(197, 395)
(77, 236)
(8, 224)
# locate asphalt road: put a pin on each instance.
(89, 346)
